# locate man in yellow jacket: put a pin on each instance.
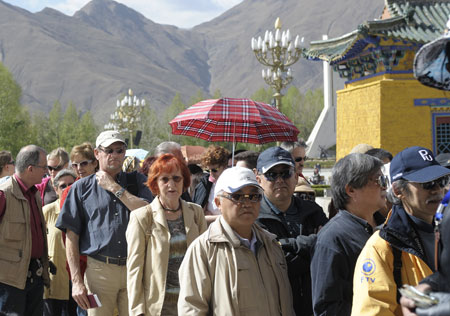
(403, 250)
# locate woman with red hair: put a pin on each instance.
(158, 236)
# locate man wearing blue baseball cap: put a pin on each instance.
(235, 267)
(295, 221)
(402, 252)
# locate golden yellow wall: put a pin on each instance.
(380, 111)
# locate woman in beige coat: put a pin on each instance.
(158, 236)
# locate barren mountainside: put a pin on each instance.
(94, 56)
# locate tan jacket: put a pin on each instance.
(15, 237)
(220, 276)
(59, 285)
(148, 239)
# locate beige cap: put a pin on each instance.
(107, 138)
(303, 186)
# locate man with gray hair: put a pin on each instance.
(359, 190)
(402, 252)
(23, 244)
(298, 151)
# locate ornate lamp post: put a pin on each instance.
(277, 52)
(127, 115)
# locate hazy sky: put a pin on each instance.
(182, 13)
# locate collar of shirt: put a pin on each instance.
(275, 209)
(422, 225)
(250, 244)
(31, 190)
(367, 227)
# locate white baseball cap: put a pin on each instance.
(235, 178)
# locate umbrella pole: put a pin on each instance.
(234, 144)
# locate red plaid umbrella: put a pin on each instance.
(234, 120)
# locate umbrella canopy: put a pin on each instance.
(432, 63)
(234, 120)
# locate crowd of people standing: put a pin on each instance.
(82, 234)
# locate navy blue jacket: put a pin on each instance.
(297, 249)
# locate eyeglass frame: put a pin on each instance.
(431, 184)
(57, 168)
(165, 180)
(62, 186)
(290, 171)
(80, 164)
(382, 181)
(110, 151)
(248, 197)
(299, 159)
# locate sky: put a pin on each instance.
(181, 13)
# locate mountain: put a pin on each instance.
(94, 56)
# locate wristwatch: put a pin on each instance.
(119, 193)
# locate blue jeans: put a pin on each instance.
(26, 302)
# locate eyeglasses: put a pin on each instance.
(43, 167)
(306, 196)
(57, 168)
(81, 164)
(109, 151)
(212, 170)
(63, 186)
(285, 174)
(382, 181)
(11, 163)
(298, 159)
(241, 198)
(442, 182)
(175, 179)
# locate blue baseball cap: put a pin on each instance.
(416, 164)
(272, 157)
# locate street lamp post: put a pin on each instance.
(277, 52)
(127, 115)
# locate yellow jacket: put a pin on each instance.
(374, 288)
(148, 239)
(59, 283)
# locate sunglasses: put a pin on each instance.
(298, 159)
(306, 196)
(109, 151)
(212, 170)
(175, 179)
(57, 168)
(382, 181)
(442, 182)
(273, 176)
(81, 164)
(63, 186)
(241, 198)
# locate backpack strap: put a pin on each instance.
(397, 270)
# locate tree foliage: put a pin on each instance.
(15, 131)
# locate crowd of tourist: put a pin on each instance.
(95, 232)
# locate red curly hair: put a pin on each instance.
(167, 163)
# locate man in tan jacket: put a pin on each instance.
(235, 267)
(23, 244)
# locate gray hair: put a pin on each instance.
(398, 185)
(28, 156)
(60, 154)
(353, 170)
(166, 148)
(290, 146)
(63, 173)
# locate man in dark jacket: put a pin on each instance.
(293, 220)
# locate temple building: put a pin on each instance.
(382, 103)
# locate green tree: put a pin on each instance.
(15, 131)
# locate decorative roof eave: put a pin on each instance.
(336, 49)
